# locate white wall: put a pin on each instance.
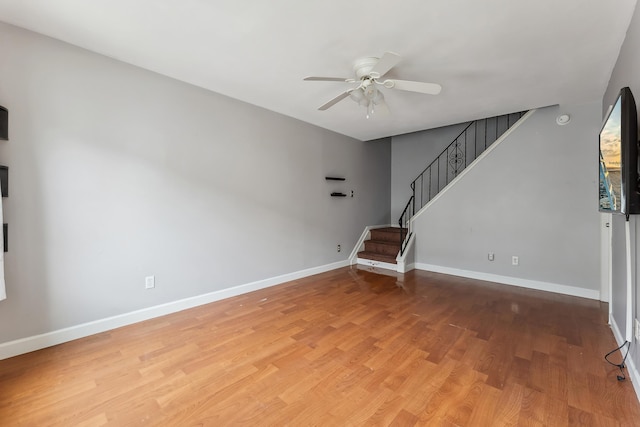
(533, 196)
(117, 173)
(625, 73)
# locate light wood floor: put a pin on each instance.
(347, 347)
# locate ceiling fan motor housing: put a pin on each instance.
(363, 66)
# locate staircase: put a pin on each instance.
(474, 139)
(385, 244)
(383, 247)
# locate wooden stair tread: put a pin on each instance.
(388, 234)
(390, 229)
(384, 242)
(391, 259)
(382, 247)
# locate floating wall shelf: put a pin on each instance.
(4, 181)
(336, 178)
(4, 170)
(4, 124)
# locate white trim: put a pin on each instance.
(366, 234)
(605, 256)
(377, 264)
(513, 281)
(631, 266)
(48, 339)
(409, 267)
(466, 170)
(631, 367)
(401, 259)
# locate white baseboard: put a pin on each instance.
(513, 281)
(377, 264)
(410, 267)
(37, 342)
(631, 367)
(401, 259)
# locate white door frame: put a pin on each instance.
(605, 258)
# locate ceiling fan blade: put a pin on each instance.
(326, 79)
(421, 87)
(335, 100)
(387, 62)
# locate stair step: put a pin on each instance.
(388, 234)
(391, 259)
(382, 247)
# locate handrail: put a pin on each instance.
(454, 140)
(402, 222)
(463, 150)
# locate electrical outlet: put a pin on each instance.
(150, 282)
(339, 248)
(637, 329)
(491, 256)
(515, 260)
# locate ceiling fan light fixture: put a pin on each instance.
(370, 109)
(370, 92)
(378, 99)
(357, 95)
(369, 97)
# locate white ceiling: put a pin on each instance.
(490, 56)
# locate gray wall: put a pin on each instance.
(625, 73)
(533, 196)
(410, 154)
(117, 173)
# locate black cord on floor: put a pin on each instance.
(619, 365)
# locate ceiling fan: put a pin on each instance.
(369, 72)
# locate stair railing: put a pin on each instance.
(472, 141)
(407, 213)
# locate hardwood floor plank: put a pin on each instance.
(366, 409)
(509, 405)
(403, 419)
(486, 407)
(346, 347)
(556, 412)
(533, 410)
